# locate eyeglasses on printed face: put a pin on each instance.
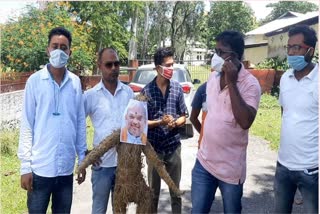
(109, 65)
(221, 52)
(295, 48)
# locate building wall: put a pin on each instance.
(277, 43)
(196, 56)
(11, 109)
(275, 46)
(255, 39)
(256, 54)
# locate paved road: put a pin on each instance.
(258, 188)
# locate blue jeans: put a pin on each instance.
(285, 186)
(102, 179)
(60, 188)
(203, 189)
(172, 163)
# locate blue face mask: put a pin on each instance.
(298, 63)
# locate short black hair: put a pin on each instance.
(234, 39)
(309, 34)
(103, 50)
(162, 53)
(60, 31)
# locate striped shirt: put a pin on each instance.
(162, 139)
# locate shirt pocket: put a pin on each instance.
(227, 115)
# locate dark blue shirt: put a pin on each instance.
(200, 96)
(162, 139)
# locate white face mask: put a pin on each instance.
(216, 63)
(58, 58)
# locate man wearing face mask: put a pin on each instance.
(53, 130)
(233, 96)
(297, 165)
(166, 112)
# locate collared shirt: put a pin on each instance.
(53, 126)
(162, 139)
(224, 144)
(299, 139)
(133, 139)
(106, 113)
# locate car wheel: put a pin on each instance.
(189, 130)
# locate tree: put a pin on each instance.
(24, 41)
(106, 23)
(235, 15)
(177, 21)
(184, 25)
(282, 7)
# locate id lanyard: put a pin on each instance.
(56, 95)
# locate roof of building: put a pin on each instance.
(287, 19)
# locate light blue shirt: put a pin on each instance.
(133, 139)
(48, 143)
(106, 113)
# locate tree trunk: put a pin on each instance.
(133, 43)
(146, 33)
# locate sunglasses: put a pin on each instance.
(111, 64)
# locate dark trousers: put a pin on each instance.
(286, 184)
(172, 163)
(59, 188)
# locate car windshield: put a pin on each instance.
(144, 76)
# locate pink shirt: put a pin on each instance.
(223, 148)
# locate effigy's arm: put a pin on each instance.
(152, 157)
(93, 156)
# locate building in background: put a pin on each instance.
(268, 40)
(195, 53)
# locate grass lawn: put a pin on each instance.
(268, 121)
(13, 197)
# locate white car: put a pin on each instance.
(146, 73)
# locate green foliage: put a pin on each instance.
(24, 41)
(229, 15)
(268, 121)
(315, 58)
(282, 7)
(275, 63)
(180, 21)
(105, 23)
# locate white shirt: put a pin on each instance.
(48, 143)
(299, 138)
(105, 111)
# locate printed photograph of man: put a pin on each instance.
(134, 124)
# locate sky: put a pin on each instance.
(15, 7)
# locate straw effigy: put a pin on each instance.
(130, 185)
